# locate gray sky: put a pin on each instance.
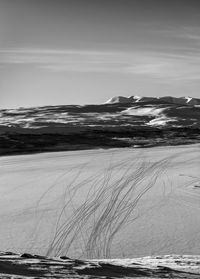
(87, 51)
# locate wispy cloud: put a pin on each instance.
(163, 66)
(189, 33)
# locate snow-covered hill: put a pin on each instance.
(104, 125)
(131, 111)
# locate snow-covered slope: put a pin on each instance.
(119, 115)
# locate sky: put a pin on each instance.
(60, 52)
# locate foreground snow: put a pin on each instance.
(18, 266)
(60, 203)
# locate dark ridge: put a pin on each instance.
(24, 143)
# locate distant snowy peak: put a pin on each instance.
(165, 99)
(136, 98)
(130, 99)
(119, 99)
(188, 99)
(191, 101)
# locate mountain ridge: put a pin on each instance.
(186, 100)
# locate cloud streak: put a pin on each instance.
(161, 66)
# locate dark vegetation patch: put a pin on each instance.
(108, 137)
